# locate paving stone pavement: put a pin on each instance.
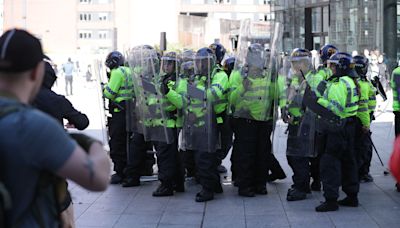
(135, 207)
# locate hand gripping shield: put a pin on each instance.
(255, 63)
(199, 131)
(149, 100)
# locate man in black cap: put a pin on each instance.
(35, 144)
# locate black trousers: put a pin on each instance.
(320, 145)
(170, 169)
(363, 149)
(226, 138)
(251, 151)
(338, 163)
(299, 164)
(138, 158)
(189, 163)
(206, 168)
(396, 123)
(118, 141)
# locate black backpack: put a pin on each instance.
(49, 186)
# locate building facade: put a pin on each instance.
(352, 25)
(202, 22)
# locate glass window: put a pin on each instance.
(103, 34)
(316, 19)
(317, 42)
(103, 16)
(222, 1)
(325, 19)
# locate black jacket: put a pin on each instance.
(57, 105)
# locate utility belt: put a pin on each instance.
(335, 125)
(115, 107)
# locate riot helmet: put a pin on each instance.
(114, 60)
(204, 61)
(219, 51)
(187, 55)
(187, 69)
(170, 62)
(327, 51)
(255, 56)
(300, 59)
(341, 64)
(229, 64)
(361, 65)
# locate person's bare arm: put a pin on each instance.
(90, 170)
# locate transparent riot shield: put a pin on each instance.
(100, 75)
(301, 120)
(252, 97)
(149, 106)
(199, 131)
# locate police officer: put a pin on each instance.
(187, 73)
(363, 146)
(300, 142)
(250, 104)
(140, 157)
(225, 130)
(324, 72)
(337, 109)
(325, 53)
(118, 90)
(170, 171)
(199, 131)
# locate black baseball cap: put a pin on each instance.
(19, 51)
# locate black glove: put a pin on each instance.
(164, 88)
(285, 114)
(83, 140)
(309, 95)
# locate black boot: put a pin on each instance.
(366, 178)
(179, 187)
(221, 169)
(116, 179)
(261, 190)
(295, 195)
(247, 192)
(218, 188)
(276, 176)
(204, 195)
(316, 186)
(130, 182)
(163, 190)
(329, 205)
(349, 202)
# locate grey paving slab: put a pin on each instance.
(97, 219)
(177, 226)
(138, 220)
(184, 205)
(266, 220)
(223, 221)
(182, 218)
